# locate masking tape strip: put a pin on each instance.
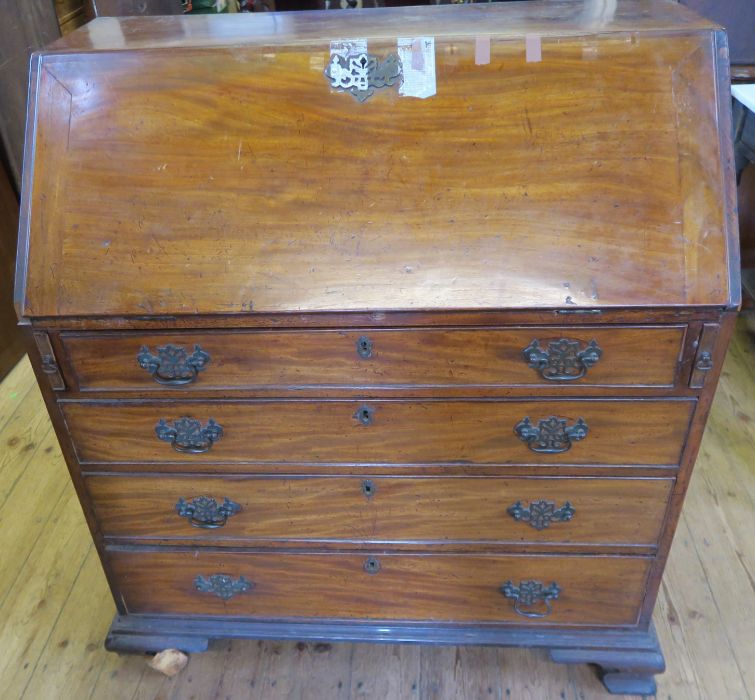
(533, 48)
(482, 50)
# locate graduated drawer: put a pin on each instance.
(605, 356)
(632, 432)
(595, 590)
(224, 510)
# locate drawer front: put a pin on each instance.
(462, 588)
(382, 509)
(382, 432)
(617, 356)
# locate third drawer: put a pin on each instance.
(228, 510)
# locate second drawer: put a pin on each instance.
(382, 432)
(381, 509)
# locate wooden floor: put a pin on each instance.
(55, 608)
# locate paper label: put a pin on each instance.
(417, 58)
(348, 47)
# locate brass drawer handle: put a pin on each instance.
(551, 436)
(540, 514)
(223, 586)
(172, 365)
(364, 347)
(205, 512)
(563, 361)
(187, 435)
(529, 594)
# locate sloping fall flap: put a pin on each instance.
(562, 171)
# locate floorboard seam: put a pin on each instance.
(57, 619)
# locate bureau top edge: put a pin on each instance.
(564, 18)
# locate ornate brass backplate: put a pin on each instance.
(173, 365)
(205, 512)
(222, 586)
(551, 435)
(529, 594)
(362, 74)
(564, 359)
(540, 514)
(188, 435)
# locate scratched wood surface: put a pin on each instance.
(424, 357)
(236, 179)
(398, 433)
(465, 588)
(340, 509)
(55, 607)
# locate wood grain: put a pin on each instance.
(34, 602)
(379, 319)
(418, 357)
(596, 590)
(402, 432)
(218, 202)
(706, 640)
(608, 511)
(18, 389)
(242, 192)
(74, 642)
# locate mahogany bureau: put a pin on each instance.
(394, 325)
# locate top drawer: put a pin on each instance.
(533, 356)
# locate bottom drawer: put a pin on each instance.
(589, 590)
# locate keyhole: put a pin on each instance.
(368, 488)
(364, 347)
(364, 415)
(372, 565)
